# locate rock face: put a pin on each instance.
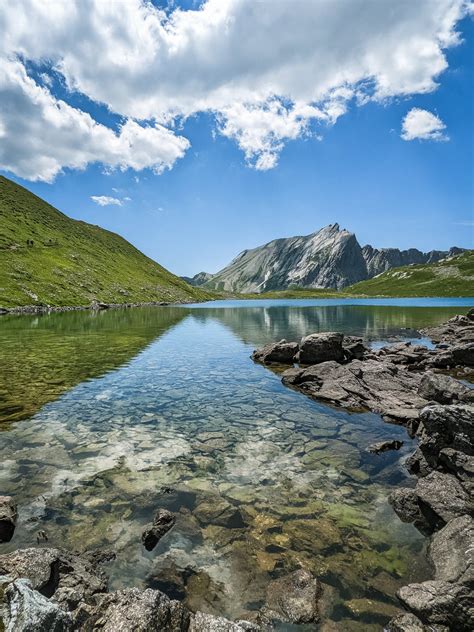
(163, 521)
(294, 598)
(329, 258)
(8, 516)
(198, 279)
(29, 611)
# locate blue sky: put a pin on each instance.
(215, 201)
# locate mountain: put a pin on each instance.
(198, 279)
(329, 258)
(452, 276)
(49, 258)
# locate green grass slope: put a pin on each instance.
(49, 258)
(453, 276)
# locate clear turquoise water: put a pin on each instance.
(109, 416)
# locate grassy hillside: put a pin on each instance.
(49, 258)
(450, 277)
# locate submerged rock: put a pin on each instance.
(282, 352)
(27, 610)
(384, 446)
(8, 517)
(163, 521)
(321, 347)
(369, 610)
(294, 598)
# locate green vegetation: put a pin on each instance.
(47, 258)
(453, 276)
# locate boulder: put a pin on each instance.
(463, 355)
(451, 551)
(443, 389)
(369, 384)
(441, 603)
(8, 517)
(219, 511)
(135, 610)
(294, 598)
(282, 352)
(163, 521)
(384, 446)
(436, 499)
(67, 578)
(354, 348)
(406, 623)
(459, 464)
(322, 347)
(202, 622)
(27, 610)
(445, 427)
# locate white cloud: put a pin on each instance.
(267, 71)
(424, 125)
(105, 200)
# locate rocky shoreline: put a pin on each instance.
(94, 306)
(411, 385)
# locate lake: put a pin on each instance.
(108, 416)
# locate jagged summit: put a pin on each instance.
(328, 258)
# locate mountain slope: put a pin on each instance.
(329, 258)
(198, 279)
(49, 258)
(453, 276)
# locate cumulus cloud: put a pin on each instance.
(105, 200)
(269, 72)
(424, 125)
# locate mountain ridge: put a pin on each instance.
(328, 258)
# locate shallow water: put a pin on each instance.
(109, 416)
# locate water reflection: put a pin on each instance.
(263, 480)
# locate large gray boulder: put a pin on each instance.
(443, 389)
(452, 551)
(282, 352)
(201, 622)
(406, 623)
(135, 610)
(27, 610)
(445, 427)
(436, 499)
(294, 598)
(8, 517)
(322, 347)
(67, 578)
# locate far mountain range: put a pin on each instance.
(329, 258)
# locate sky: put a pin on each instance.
(199, 129)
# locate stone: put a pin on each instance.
(384, 446)
(8, 517)
(66, 577)
(163, 521)
(282, 352)
(451, 551)
(322, 347)
(294, 598)
(27, 610)
(446, 427)
(135, 610)
(406, 623)
(202, 622)
(354, 348)
(459, 464)
(436, 499)
(463, 355)
(443, 389)
(441, 603)
(417, 464)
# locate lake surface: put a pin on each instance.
(105, 417)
